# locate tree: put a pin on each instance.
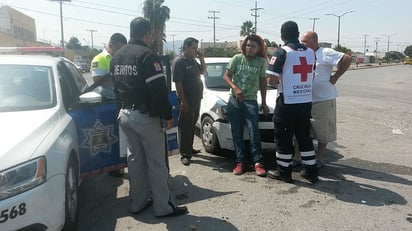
(393, 56)
(74, 44)
(247, 28)
(157, 15)
(342, 49)
(220, 51)
(408, 51)
(268, 43)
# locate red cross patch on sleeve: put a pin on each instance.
(157, 66)
(272, 60)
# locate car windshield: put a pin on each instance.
(26, 87)
(214, 76)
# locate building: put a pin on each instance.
(16, 28)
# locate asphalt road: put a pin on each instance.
(365, 184)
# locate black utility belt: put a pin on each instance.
(142, 108)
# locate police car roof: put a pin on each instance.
(41, 60)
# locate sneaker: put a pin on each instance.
(275, 174)
(313, 178)
(260, 171)
(185, 161)
(319, 164)
(239, 169)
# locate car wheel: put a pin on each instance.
(71, 195)
(209, 136)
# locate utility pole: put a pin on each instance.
(314, 19)
(376, 50)
(364, 47)
(389, 36)
(91, 33)
(256, 15)
(173, 36)
(61, 21)
(214, 12)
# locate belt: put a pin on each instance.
(142, 108)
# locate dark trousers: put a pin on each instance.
(186, 126)
(289, 120)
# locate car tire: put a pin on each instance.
(71, 195)
(208, 136)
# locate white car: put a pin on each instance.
(215, 131)
(51, 136)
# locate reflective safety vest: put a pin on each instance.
(297, 75)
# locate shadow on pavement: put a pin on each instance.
(185, 192)
(98, 208)
(101, 209)
(341, 178)
(344, 179)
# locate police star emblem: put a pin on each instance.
(99, 138)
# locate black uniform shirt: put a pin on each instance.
(140, 80)
(187, 71)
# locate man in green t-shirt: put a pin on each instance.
(245, 75)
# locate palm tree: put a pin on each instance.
(157, 15)
(247, 28)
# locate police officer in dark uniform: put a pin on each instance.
(293, 67)
(140, 85)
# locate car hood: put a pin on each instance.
(271, 95)
(22, 133)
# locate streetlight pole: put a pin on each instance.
(339, 16)
(388, 38)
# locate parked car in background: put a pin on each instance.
(407, 61)
(85, 66)
(215, 131)
(78, 66)
(52, 134)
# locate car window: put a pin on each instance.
(78, 78)
(69, 88)
(214, 75)
(26, 87)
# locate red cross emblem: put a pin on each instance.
(303, 69)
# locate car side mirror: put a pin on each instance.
(90, 97)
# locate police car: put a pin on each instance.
(215, 131)
(52, 135)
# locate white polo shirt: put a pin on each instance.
(326, 59)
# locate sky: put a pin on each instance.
(370, 21)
